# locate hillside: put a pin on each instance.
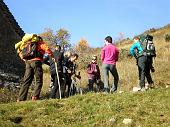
(145, 109)
(127, 68)
(161, 62)
(150, 108)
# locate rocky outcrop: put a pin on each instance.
(10, 81)
(10, 33)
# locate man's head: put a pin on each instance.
(40, 38)
(74, 57)
(67, 54)
(108, 39)
(94, 59)
(135, 39)
(35, 38)
(58, 47)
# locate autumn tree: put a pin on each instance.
(61, 37)
(48, 36)
(82, 45)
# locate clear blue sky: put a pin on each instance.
(91, 19)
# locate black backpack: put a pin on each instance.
(29, 50)
(148, 46)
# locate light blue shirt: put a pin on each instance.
(134, 46)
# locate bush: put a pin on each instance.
(8, 95)
(167, 37)
(123, 54)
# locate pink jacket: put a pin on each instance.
(93, 71)
(109, 54)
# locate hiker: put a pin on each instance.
(67, 55)
(109, 57)
(56, 78)
(70, 68)
(93, 73)
(33, 64)
(144, 63)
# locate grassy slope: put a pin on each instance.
(149, 108)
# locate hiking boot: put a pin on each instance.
(112, 90)
(136, 89)
(152, 86)
(106, 90)
(147, 86)
(152, 69)
(18, 100)
(34, 98)
(142, 89)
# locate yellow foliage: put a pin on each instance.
(82, 45)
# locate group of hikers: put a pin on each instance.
(35, 52)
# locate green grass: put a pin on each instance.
(146, 109)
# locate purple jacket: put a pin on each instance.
(109, 54)
(93, 71)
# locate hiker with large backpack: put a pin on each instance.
(31, 50)
(143, 50)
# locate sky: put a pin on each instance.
(92, 20)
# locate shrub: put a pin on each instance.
(8, 95)
(167, 37)
(123, 54)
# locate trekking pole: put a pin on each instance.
(81, 91)
(59, 87)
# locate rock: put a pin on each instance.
(10, 81)
(136, 89)
(113, 120)
(127, 121)
(121, 91)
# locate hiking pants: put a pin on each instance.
(55, 89)
(32, 68)
(91, 83)
(68, 83)
(113, 70)
(144, 66)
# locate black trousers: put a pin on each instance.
(91, 83)
(55, 88)
(144, 68)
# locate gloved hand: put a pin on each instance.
(129, 55)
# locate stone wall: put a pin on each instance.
(10, 33)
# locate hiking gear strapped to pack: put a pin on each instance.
(148, 46)
(29, 50)
(25, 38)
